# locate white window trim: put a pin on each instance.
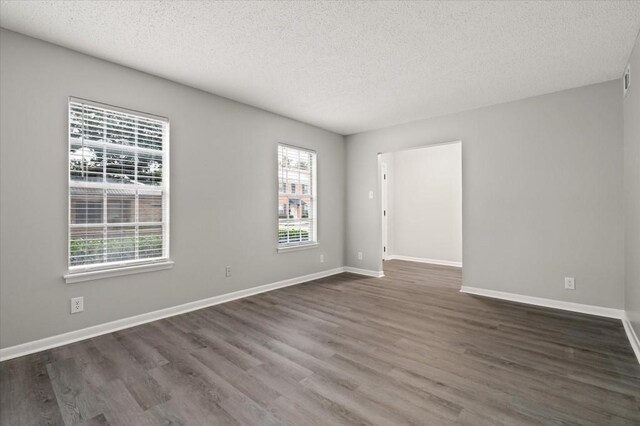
(95, 272)
(314, 190)
(117, 271)
(302, 246)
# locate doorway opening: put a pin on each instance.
(421, 205)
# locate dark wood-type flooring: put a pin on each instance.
(407, 348)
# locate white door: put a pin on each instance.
(383, 199)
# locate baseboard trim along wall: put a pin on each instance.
(367, 272)
(566, 306)
(547, 303)
(633, 337)
(109, 327)
(424, 260)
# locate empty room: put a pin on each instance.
(319, 212)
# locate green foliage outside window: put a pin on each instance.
(295, 235)
(89, 251)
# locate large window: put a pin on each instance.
(297, 217)
(118, 187)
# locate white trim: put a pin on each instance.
(109, 327)
(424, 260)
(567, 306)
(286, 249)
(384, 202)
(548, 303)
(632, 336)
(163, 189)
(366, 272)
(76, 277)
(117, 109)
(313, 194)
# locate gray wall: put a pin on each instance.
(632, 191)
(426, 207)
(223, 192)
(542, 193)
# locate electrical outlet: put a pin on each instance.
(569, 283)
(322, 258)
(77, 304)
(371, 195)
(359, 255)
(227, 271)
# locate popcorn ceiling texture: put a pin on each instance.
(349, 66)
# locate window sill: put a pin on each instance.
(287, 249)
(77, 277)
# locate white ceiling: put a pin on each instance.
(349, 66)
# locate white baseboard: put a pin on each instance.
(109, 327)
(424, 260)
(367, 272)
(548, 303)
(632, 336)
(567, 306)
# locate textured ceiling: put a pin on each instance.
(349, 66)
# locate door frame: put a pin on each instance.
(384, 200)
(382, 187)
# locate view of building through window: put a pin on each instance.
(296, 196)
(117, 187)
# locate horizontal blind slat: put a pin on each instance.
(101, 144)
(89, 110)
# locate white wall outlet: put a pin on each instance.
(77, 304)
(359, 255)
(371, 195)
(569, 283)
(322, 258)
(227, 271)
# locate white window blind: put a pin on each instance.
(297, 209)
(118, 187)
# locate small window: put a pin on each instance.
(296, 212)
(118, 187)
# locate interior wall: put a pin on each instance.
(223, 192)
(632, 191)
(426, 207)
(542, 187)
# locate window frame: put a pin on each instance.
(313, 195)
(79, 273)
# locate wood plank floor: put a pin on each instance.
(404, 349)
